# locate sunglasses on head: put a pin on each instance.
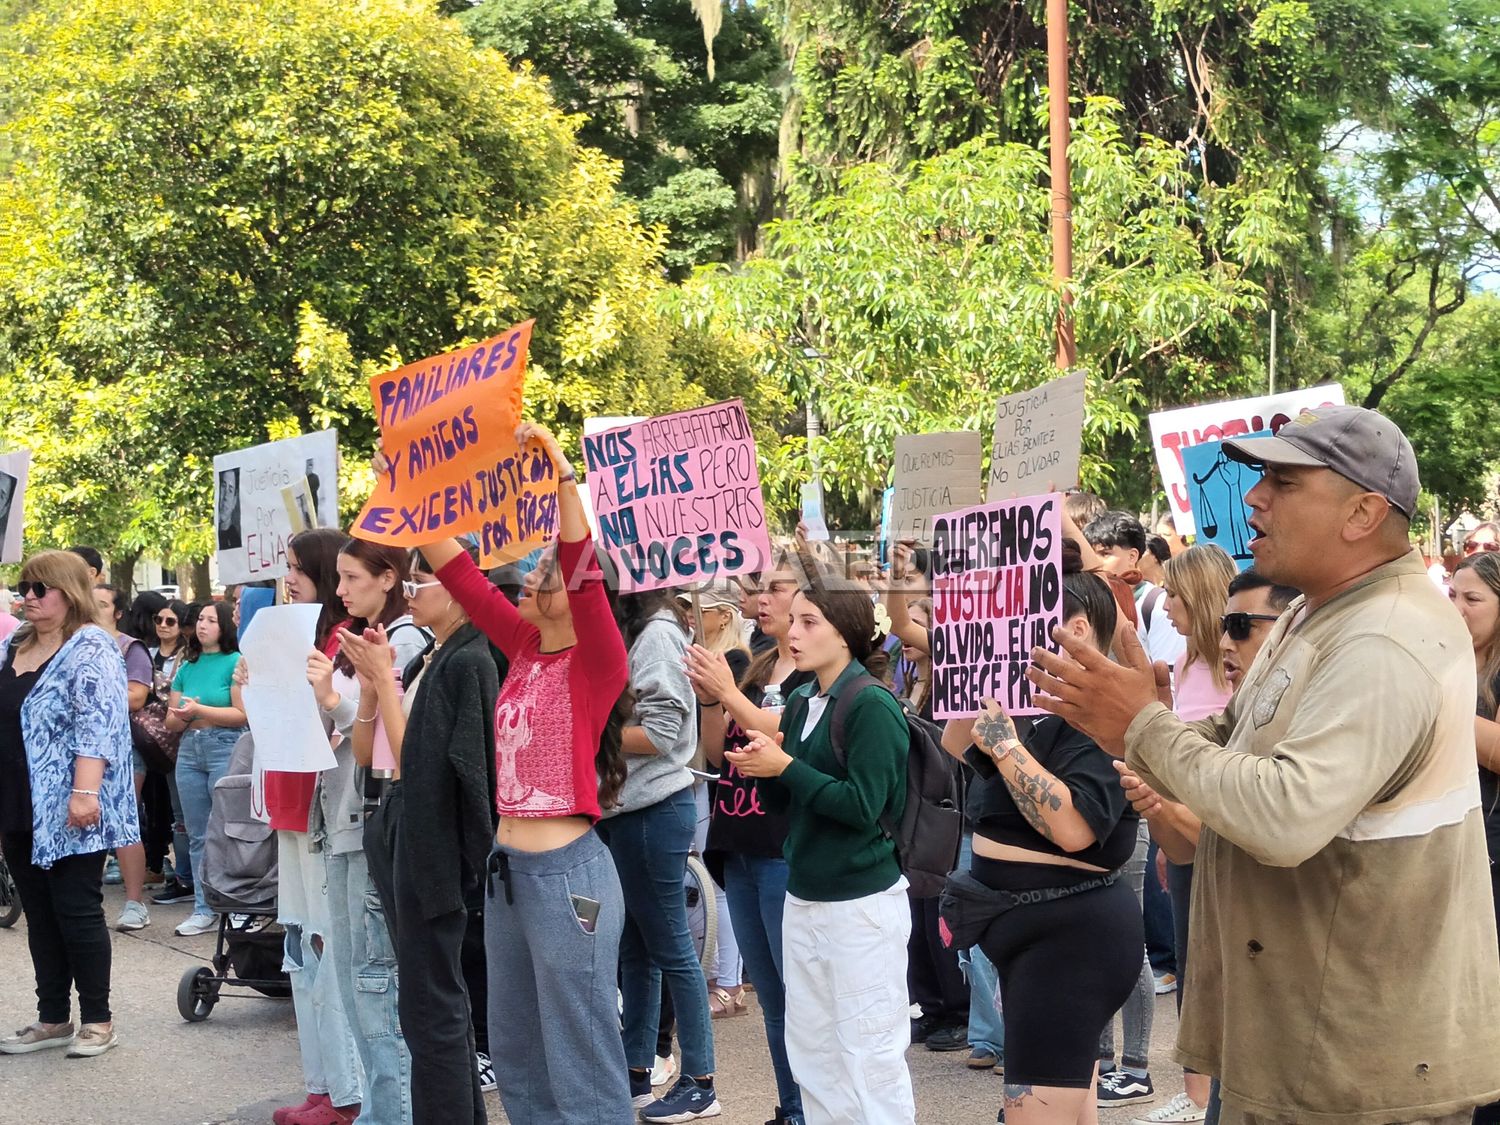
(163, 619)
(1238, 626)
(26, 589)
(410, 588)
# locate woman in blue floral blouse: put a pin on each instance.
(66, 796)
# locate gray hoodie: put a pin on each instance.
(666, 709)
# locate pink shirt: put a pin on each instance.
(8, 625)
(1196, 695)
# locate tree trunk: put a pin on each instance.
(122, 571)
(202, 586)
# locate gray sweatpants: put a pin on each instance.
(554, 1018)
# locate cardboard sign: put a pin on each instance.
(812, 512)
(1172, 431)
(15, 468)
(678, 497)
(251, 523)
(1216, 490)
(447, 427)
(935, 473)
(279, 702)
(1038, 438)
(996, 595)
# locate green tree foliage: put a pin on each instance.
(698, 151)
(906, 301)
(223, 218)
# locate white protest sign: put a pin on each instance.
(279, 702)
(1038, 438)
(14, 470)
(935, 473)
(812, 512)
(1172, 431)
(251, 521)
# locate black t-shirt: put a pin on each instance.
(1075, 760)
(1489, 789)
(15, 774)
(740, 823)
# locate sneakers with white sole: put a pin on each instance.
(664, 1071)
(135, 916)
(1120, 1087)
(93, 1039)
(686, 1101)
(1165, 983)
(35, 1037)
(1179, 1111)
(486, 1070)
(198, 924)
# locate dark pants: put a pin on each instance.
(1157, 907)
(156, 819)
(933, 979)
(65, 929)
(433, 1001)
(476, 967)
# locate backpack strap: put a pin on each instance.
(1149, 603)
(841, 708)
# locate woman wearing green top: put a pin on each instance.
(847, 921)
(206, 707)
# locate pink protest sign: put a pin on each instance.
(678, 499)
(996, 594)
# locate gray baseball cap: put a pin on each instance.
(1358, 444)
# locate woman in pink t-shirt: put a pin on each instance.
(1197, 585)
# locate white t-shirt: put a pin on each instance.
(1161, 640)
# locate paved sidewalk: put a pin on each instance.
(241, 1063)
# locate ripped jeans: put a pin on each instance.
(365, 960)
(330, 1059)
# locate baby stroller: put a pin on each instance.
(239, 881)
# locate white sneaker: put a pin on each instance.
(1165, 983)
(135, 916)
(198, 924)
(1179, 1111)
(486, 1070)
(664, 1071)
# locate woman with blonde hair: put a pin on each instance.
(67, 796)
(1197, 585)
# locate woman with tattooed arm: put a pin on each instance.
(1042, 897)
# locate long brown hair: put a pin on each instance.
(1200, 578)
(609, 760)
(69, 575)
(317, 554)
(846, 606)
(376, 558)
(1487, 568)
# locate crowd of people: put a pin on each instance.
(1274, 791)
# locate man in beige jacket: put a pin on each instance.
(1343, 951)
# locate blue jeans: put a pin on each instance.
(650, 848)
(756, 889)
(1158, 915)
(986, 1027)
(202, 758)
(365, 960)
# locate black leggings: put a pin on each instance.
(1065, 969)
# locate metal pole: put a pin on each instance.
(1062, 192)
(1273, 351)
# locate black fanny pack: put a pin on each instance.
(968, 908)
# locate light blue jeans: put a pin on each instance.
(202, 758)
(365, 961)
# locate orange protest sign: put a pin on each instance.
(448, 429)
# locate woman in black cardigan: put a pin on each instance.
(430, 837)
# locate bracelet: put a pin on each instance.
(570, 475)
(84, 792)
(371, 719)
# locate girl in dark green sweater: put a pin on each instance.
(847, 920)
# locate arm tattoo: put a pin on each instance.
(1033, 793)
(991, 730)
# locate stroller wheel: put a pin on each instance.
(197, 993)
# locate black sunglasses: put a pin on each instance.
(1238, 626)
(26, 589)
(163, 619)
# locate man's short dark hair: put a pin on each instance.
(1158, 548)
(1117, 529)
(94, 559)
(1280, 596)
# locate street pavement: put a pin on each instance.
(241, 1063)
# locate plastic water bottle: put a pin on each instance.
(773, 700)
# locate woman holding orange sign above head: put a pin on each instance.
(554, 911)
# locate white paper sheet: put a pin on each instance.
(279, 702)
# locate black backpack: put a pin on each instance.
(930, 828)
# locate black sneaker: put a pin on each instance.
(922, 1027)
(949, 1037)
(1120, 1087)
(686, 1101)
(174, 891)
